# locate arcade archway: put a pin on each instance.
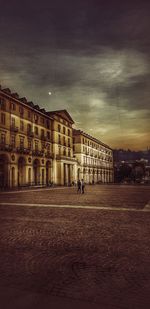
(36, 171)
(4, 178)
(21, 171)
(48, 173)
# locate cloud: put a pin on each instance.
(93, 58)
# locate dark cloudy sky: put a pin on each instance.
(92, 55)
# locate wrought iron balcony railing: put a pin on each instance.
(38, 153)
(30, 133)
(5, 147)
(14, 128)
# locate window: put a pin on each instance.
(69, 145)
(13, 141)
(3, 138)
(29, 144)
(36, 145)
(48, 135)
(36, 118)
(48, 124)
(36, 130)
(42, 120)
(21, 110)
(21, 125)
(3, 104)
(29, 128)
(42, 133)
(12, 106)
(64, 151)
(21, 142)
(64, 141)
(59, 150)
(29, 114)
(3, 118)
(13, 122)
(69, 153)
(68, 132)
(64, 130)
(59, 128)
(59, 139)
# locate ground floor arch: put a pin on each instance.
(48, 173)
(4, 171)
(21, 171)
(36, 172)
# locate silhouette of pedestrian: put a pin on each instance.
(82, 186)
(79, 186)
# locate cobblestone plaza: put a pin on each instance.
(60, 249)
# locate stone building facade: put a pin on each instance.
(25, 142)
(64, 162)
(41, 148)
(95, 159)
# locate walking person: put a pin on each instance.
(82, 186)
(79, 186)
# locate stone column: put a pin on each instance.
(71, 173)
(66, 174)
(62, 173)
(103, 180)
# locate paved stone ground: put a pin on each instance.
(102, 195)
(75, 258)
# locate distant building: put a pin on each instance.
(132, 166)
(42, 148)
(64, 162)
(95, 159)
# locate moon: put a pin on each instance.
(49, 93)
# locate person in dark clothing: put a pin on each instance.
(82, 186)
(79, 186)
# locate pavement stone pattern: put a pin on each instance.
(75, 258)
(107, 195)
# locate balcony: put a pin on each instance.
(14, 128)
(38, 153)
(67, 158)
(49, 155)
(5, 147)
(85, 164)
(23, 150)
(43, 138)
(48, 139)
(30, 133)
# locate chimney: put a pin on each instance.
(15, 95)
(24, 100)
(7, 90)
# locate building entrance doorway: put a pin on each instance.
(36, 171)
(21, 171)
(48, 173)
(3, 172)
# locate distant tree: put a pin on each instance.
(125, 171)
(138, 171)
